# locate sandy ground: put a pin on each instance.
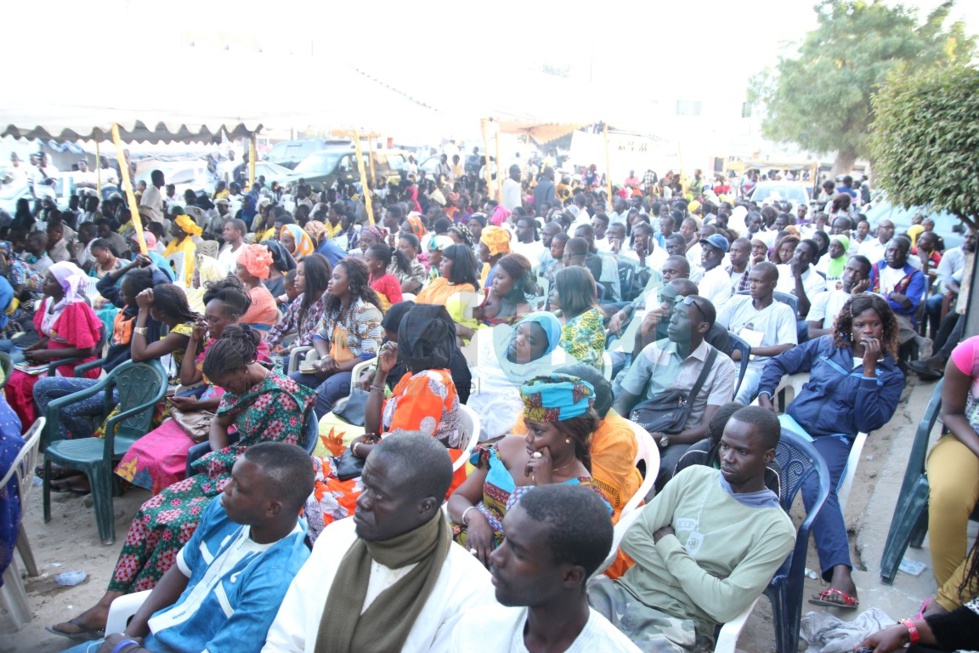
(70, 541)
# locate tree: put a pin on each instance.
(925, 140)
(821, 98)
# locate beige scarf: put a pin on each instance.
(386, 624)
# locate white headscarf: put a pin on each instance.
(73, 282)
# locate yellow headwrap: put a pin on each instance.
(187, 223)
(496, 239)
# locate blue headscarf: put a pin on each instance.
(548, 322)
(556, 398)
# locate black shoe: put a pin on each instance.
(924, 372)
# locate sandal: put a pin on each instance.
(64, 485)
(84, 634)
(57, 473)
(847, 602)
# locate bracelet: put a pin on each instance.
(140, 330)
(463, 518)
(912, 631)
(379, 388)
(124, 644)
(353, 447)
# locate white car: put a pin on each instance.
(182, 174)
(771, 192)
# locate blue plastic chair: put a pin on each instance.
(203, 448)
(910, 521)
(739, 344)
(140, 386)
(798, 460)
(782, 297)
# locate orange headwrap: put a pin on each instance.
(257, 260)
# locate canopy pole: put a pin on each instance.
(361, 168)
(499, 169)
(251, 160)
(489, 186)
(127, 186)
(608, 165)
(98, 168)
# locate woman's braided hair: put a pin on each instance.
(236, 348)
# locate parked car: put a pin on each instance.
(325, 167)
(291, 153)
(949, 227)
(63, 186)
(274, 172)
(781, 191)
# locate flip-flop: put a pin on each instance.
(84, 634)
(847, 603)
(66, 488)
(57, 475)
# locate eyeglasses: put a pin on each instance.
(690, 300)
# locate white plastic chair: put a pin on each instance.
(295, 356)
(727, 639)
(469, 426)
(123, 609)
(13, 594)
(648, 452)
(607, 366)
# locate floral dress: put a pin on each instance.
(584, 338)
(290, 322)
(272, 411)
(425, 402)
(501, 492)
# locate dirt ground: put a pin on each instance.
(70, 542)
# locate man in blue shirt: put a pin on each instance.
(228, 581)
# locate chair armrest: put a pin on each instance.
(294, 356)
(727, 639)
(122, 609)
(54, 365)
(61, 402)
(81, 369)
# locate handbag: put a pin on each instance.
(352, 411)
(668, 412)
(196, 423)
(348, 465)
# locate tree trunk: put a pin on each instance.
(843, 164)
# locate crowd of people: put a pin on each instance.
(564, 321)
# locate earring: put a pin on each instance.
(567, 440)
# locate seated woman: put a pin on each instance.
(385, 284)
(412, 280)
(349, 333)
(159, 458)
(436, 245)
(455, 287)
(296, 241)
(262, 406)
(508, 298)
(560, 422)
(854, 386)
(369, 235)
(424, 400)
(831, 265)
(67, 327)
(494, 244)
(953, 476)
(282, 262)
(182, 250)
(583, 332)
(106, 260)
(254, 263)
(509, 358)
(306, 310)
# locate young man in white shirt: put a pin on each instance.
(874, 248)
(826, 305)
(234, 238)
(716, 283)
(799, 276)
(768, 326)
(358, 591)
(152, 200)
(556, 538)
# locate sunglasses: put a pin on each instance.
(691, 301)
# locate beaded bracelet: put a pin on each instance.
(912, 630)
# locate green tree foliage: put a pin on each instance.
(821, 98)
(925, 140)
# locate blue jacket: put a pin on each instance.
(838, 398)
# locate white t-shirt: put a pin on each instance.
(776, 324)
(812, 282)
(889, 278)
(873, 249)
(500, 629)
(152, 201)
(531, 250)
(228, 258)
(826, 306)
(716, 286)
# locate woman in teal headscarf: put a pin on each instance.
(507, 358)
(833, 263)
(558, 410)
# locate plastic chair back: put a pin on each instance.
(469, 430)
(782, 297)
(312, 433)
(136, 384)
(627, 276)
(739, 344)
(647, 452)
(25, 461)
(607, 366)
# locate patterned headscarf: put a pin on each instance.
(417, 226)
(187, 223)
(304, 244)
(256, 259)
(377, 232)
(496, 239)
(556, 398)
(462, 231)
(439, 243)
(316, 231)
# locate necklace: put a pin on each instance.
(556, 469)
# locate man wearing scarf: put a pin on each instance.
(390, 578)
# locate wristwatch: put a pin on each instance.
(664, 442)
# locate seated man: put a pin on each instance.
(222, 592)
(705, 548)
(676, 365)
(826, 305)
(767, 326)
(390, 578)
(901, 284)
(556, 538)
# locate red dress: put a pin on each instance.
(388, 288)
(78, 326)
